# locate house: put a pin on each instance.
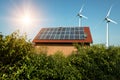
(62, 39)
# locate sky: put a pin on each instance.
(61, 13)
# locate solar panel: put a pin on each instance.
(62, 33)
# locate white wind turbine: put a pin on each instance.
(81, 16)
(107, 21)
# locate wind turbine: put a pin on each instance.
(108, 20)
(81, 16)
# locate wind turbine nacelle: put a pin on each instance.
(106, 19)
(79, 15)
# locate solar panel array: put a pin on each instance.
(62, 33)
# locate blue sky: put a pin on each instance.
(56, 13)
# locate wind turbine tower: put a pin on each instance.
(81, 16)
(108, 20)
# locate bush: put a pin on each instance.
(97, 62)
(14, 49)
(18, 61)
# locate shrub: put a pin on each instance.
(14, 49)
(18, 61)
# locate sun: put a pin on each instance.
(26, 19)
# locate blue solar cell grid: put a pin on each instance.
(62, 33)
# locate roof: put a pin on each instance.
(64, 35)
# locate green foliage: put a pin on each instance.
(14, 50)
(97, 62)
(18, 61)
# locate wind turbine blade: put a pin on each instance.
(81, 9)
(112, 21)
(84, 16)
(109, 11)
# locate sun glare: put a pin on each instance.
(26, 20)
(25, 17)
